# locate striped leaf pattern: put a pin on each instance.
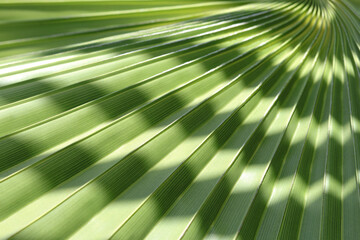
(215, 119)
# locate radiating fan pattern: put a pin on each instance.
(179, 119)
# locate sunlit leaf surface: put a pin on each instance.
(224, 119)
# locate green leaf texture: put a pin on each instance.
(224, 119)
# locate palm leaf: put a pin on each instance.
(179, 119)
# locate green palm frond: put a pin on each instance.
(223, 119)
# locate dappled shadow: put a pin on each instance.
(116, 106)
